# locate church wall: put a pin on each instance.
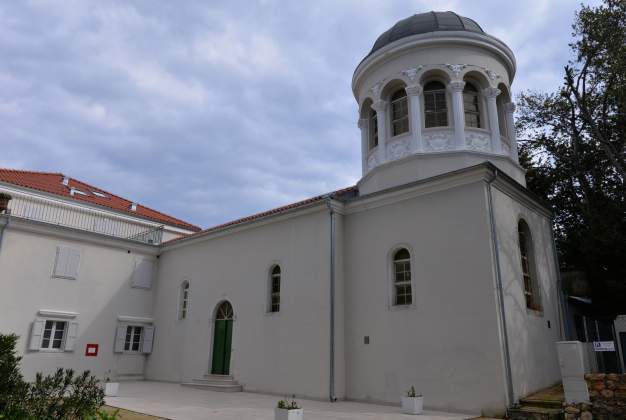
(101, 292)
(532, 341)
(445, 344)
(283, 353)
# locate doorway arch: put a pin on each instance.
(222, 338)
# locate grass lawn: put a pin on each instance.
(128, 415)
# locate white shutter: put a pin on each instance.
(120, 338)
(143, 273)
(67, 262)
(70, 338)
(148, 338)
(36, 333)
(73, 261)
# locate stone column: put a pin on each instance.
(509, 110)
(380, 107)
(415, 117)
(458, 113)
(492, 110)
(364, 126)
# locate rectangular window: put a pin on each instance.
(472, 112)
(53, 335)
(275, 303)
(133, 338)
(435, 109)
(399, 116)
(373, 134)
(402, 271)
(66, 263)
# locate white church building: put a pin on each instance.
(437, 269)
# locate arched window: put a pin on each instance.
(274, 298)
(435, 107)
(399, 113)
(402, 277)
(531, 288)
(183, 306)
(470, 105)
(373, 129)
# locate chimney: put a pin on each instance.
(66, 181)
(133, 206)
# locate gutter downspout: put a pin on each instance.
(331, 379)
(563, 311)
(494, 241)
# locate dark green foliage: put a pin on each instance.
(59, 396)
(12, 385)
(573, 144)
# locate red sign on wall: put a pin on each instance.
(91, 350)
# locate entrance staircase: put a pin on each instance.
(220, 383)
(543, 405)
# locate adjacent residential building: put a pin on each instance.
(437, 270)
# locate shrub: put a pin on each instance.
(60, 396)
(12, 386)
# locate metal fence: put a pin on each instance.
(84, 219)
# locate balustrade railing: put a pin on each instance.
(84, 219)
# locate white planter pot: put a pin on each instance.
(283, 414)
(412, 405)
(110, 389)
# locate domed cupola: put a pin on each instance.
(434, 96)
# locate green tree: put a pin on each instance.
(573, 144)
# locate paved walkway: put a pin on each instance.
(175, 402)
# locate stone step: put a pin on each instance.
(534, 413)
(219, 387)
(129, 377)
(223, 378)
(542, 403)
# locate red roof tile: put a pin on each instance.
(335, 194)
(52, 182)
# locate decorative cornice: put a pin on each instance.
(456, 69)
(380, 105)
(509, 107)
(376, 89)
(412, 72)
(456, 86)
(138, 319)
(491, 92)
(414, 90)
(57, 314)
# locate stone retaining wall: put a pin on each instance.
(607, 392)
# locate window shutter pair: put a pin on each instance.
(67, 262)
(143, 274)
(36, 335)
(146, 343)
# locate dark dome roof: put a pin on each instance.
(422, 23)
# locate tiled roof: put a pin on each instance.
(338, 195)
(52, 183)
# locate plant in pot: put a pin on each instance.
(288, 410)
(4, 202)
(412, 403)
(110, 388)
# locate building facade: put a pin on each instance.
(436, 270)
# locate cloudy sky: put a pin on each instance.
(212, 110)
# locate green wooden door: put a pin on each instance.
(222, 338)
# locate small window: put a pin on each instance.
(373, 129)
(531, 287)
(470, 105)
(53, 335)
(132, 342)
(402, 277)
(435, 106)
(274, 303)
(184, 300)
(399, 113)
